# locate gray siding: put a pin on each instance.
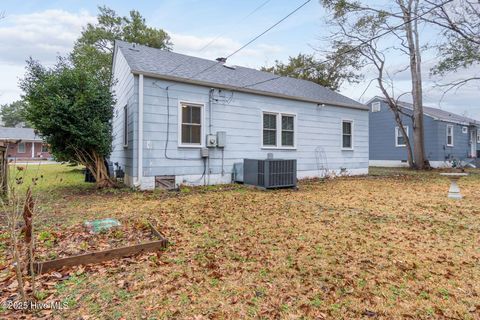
(382, 137)
(240, 115)
(461, 142)
(125, 89)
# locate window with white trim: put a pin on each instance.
(288, 130)
(44, 148)
(376, 107)
(399, 138)
(191, 124)
(450, 135)
(21, 147)
(347, 134)
(464, 129)
(278, 130)
(269, 130)
(478, 135)
(125, 126)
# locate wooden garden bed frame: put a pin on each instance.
(104, 255)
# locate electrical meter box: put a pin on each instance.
(221, 139)
(211, 140)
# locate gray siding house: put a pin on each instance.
(448, 136)
(171, 107)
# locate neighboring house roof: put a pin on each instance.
(14, 134)
(438, 114)
(179, 67)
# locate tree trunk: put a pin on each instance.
(416, 75)
(96, 164)
(396, 113)
(379, 63)
(100, 172)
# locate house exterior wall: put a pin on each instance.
(126, 91)
(13, 151)
(383, 150)
(461, 142)
(240, 116)
(478, 141)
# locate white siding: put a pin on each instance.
(240, 115)
(125, 89)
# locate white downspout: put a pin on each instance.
(140, 131)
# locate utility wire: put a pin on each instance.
(273, 26)
(362, 43)
(251, 41)
(213, 65)
(212, 41)
(238, 22)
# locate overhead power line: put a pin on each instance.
(363, 42)
(273, 26)
(238, 22)
(251, 41)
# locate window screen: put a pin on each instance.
(347, 134)
(269, 129)
(288, 130)
(191, 124)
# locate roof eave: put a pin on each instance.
(247, 90)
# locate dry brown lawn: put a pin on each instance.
(386, 246)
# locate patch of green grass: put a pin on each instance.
(106, 296)
(336, 307)
(362, 283)
(284, 307)
(48, 179)
(424, 295)
(41, 295)
(123, 294)
(444, 293)
(184, 299)
(316, 301)
(71, 282)
(214, 282)
(45, 236)
(263, 273)
(70, 301)
(185, 190)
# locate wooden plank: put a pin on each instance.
(99, 256)
(165, 182)
(156, 233)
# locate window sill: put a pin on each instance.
(401, 146)
(348, 149)
(196, 146)
(450, 145)
(279, 148)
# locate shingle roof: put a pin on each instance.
(440, 114)
(180, 67)
(18, 134)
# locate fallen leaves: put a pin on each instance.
(383, 247)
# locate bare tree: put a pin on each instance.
(366, 44)
(459, 24)
(410, 12)
(378, 32)
(15, 208)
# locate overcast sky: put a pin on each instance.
(45, 29)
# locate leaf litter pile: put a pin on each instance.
(79, 239)
(389, 246)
